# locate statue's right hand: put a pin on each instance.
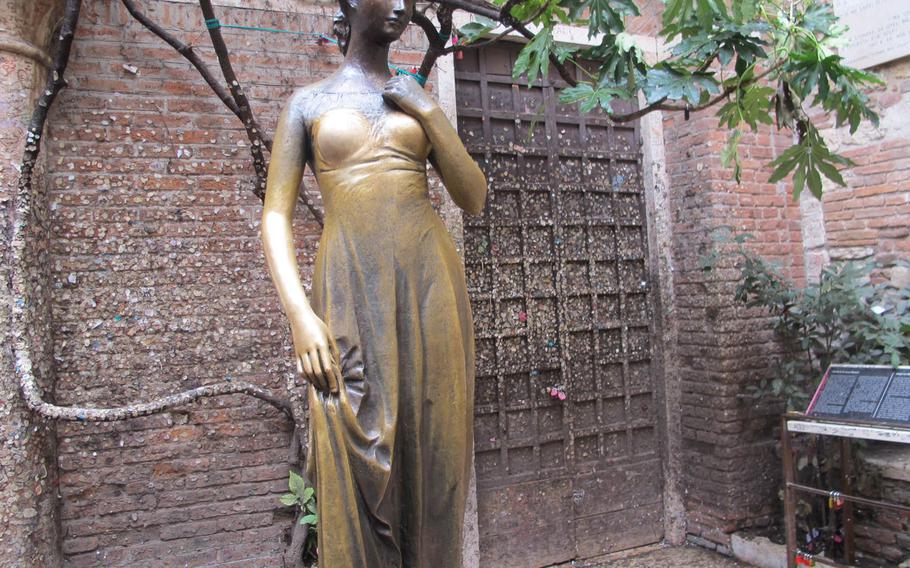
(316, 352)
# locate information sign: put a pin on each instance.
(871, 393)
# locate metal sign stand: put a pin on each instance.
(845, 430)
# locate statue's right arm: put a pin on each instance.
(315, 351)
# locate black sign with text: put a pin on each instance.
(871, 393)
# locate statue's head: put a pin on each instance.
(376, 21)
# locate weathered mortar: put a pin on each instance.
(28, 522)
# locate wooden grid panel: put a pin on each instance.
(556, 269)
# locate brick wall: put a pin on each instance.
(160, 285)
(730, 473)
(868, 218)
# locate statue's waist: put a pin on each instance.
(372, 185)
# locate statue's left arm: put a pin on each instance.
(461, 175)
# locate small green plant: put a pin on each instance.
(848, 316)
(302, 497)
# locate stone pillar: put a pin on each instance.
(28, 521)
(727, 467)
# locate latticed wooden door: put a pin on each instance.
(566, 423)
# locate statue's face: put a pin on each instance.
(381, 21)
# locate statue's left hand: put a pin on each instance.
(406, 93)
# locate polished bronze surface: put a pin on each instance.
(386, 339)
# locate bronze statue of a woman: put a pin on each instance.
(386, 341)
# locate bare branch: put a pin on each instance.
(484, 9)
(21, 310)
(245, 110)
(33, 399)
(189, 53)
(436, 38)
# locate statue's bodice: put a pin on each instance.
(375, 163)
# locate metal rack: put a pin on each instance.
(845, 430)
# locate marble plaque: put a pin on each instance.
(879, 30)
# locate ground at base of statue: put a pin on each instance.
(663, 557)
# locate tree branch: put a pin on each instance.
(506, 11)
(660, 104)
(190, 54)
(505, 17)
(258, 138)
(23, 217)
(245, 110)
(494, 39)
(436, 38)
(484, 9)
(32, 394)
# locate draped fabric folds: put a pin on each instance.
(390, 455)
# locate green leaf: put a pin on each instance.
(745, 10)
(534, 58)
(589, 97)
(311, 520)
(625, 42)
(799, 182)
(288, 499)
(675, 84)
(815, 182)
(730, 154)
(831, 172)
(296, 484)
(607, 16)
(308, 494)
(749, 103)
(472, 31)
(786, 163)
(819, 18)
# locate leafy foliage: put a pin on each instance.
(846, 317)
(473, 31)
(302, 497)
(807, 160)
(764, 62)
(677, 83)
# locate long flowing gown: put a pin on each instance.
(390, 455)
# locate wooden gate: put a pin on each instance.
(567, 449)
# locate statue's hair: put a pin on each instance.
(341, 27)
